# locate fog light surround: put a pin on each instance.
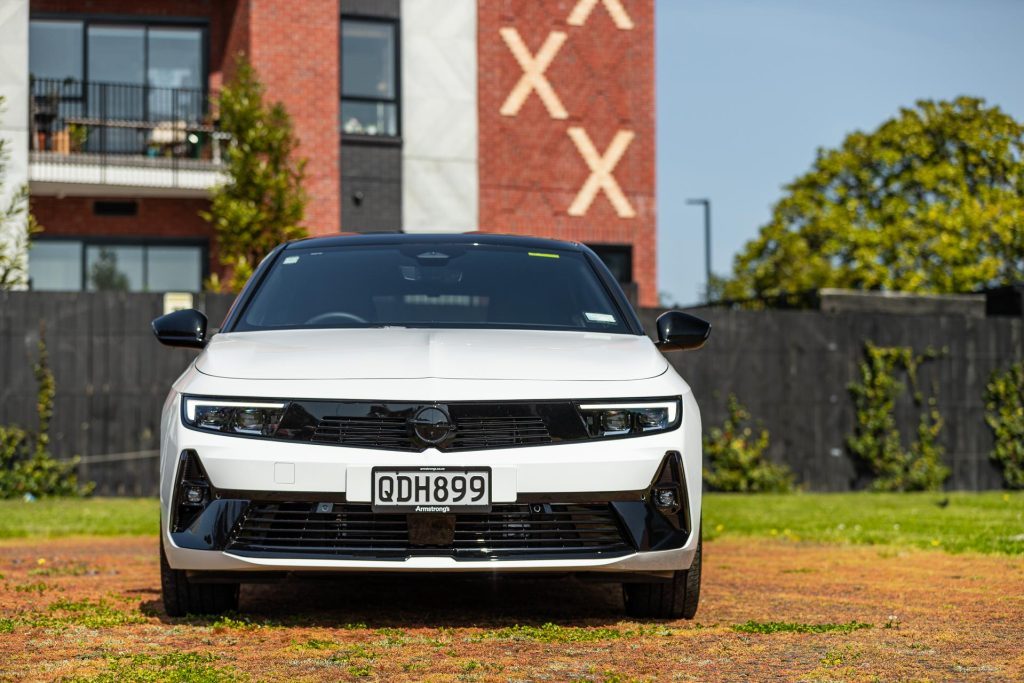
(667, 495)
(194, 491)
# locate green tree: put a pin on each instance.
(262, 203)
(932, 201)
(17, 225)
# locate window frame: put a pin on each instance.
(145, 243)
(146, 22)
(396, 25)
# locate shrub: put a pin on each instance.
(1004, 413)
(876, 440)
(735, 457)
(26, 466)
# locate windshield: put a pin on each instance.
(432, 285)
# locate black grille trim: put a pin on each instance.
(475, 425)
(354, 531)
(499, 432)
(368, 432)
(470, 433)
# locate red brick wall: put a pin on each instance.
(167, 217)
(530, 169)
(294, 47)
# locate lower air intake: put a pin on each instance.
(355, 531)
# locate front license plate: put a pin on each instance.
(432, 489)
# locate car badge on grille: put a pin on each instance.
(432, 425)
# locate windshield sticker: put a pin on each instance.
(600, 317)
(541, 255)
(290, 259)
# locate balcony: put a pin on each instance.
(110, 139)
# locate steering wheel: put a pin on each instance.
(333, 316)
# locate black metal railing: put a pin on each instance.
(75, 121)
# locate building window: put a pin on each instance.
(618, 258)
(369, 78)
(84, 70)
(100, 265)
(159, 56)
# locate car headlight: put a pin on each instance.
(630, 419)
(234, 417)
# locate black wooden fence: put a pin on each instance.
(112, 378)
(790, 368)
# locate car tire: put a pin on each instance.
(182, 597)
(667, 599)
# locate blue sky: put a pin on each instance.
(747, 90)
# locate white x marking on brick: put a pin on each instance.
(601, 168)
(583, 8)
(533, 74)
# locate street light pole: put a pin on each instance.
(706, 203)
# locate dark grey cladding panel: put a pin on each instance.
(363, 159)
(371, 187)
(388, 9)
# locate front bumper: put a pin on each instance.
(614, 473)
(649, 563)
(309, 535)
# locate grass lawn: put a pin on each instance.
(991, 522)
(51, 517)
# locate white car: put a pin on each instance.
(431, 403)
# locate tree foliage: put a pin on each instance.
(932, 201)
(735, 457)
(17, 225)
(262, 203)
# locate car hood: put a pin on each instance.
(403, 353)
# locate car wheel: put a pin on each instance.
(668, 599)
(182, 596)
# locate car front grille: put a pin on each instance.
(366, 432)
(355, 531)
(471, 433)
(499, 432)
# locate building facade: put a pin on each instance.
(518, 116)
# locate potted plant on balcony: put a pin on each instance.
(77, 135)
(45, 107)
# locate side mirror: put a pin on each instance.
(182, 328)
(678, 331)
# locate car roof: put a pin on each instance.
(434, 238)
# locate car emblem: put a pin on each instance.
(432, 425)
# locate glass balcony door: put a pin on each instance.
(97, 81)
(116, 55)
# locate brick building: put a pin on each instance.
(520, 116)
